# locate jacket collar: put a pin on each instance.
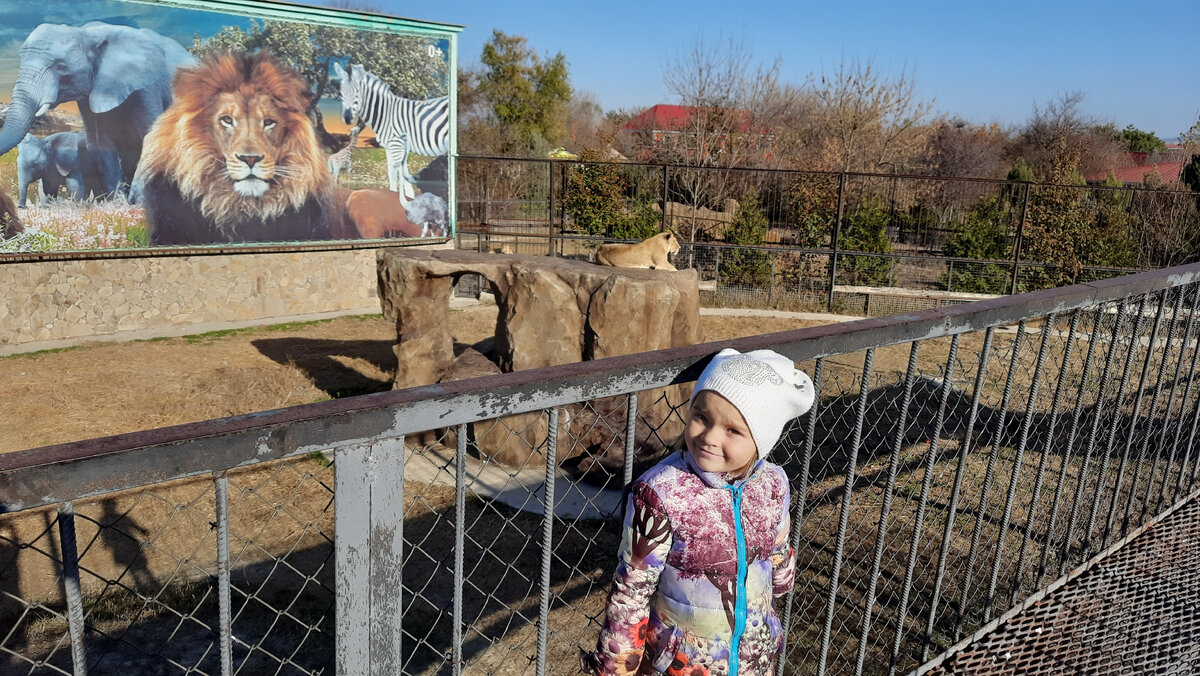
(717, 479)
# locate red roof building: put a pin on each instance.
(661, 118)
(1168, 167)
(664, 124)
(1168, 171)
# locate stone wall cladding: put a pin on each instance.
(79, 299)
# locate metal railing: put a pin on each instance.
(956, 461)
(800, 279)
(822, 224)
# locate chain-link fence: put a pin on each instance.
(956, 461)
(833, 240)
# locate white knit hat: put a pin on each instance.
(765, 386)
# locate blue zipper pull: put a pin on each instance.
(739, 606)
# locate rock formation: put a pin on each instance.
(551, 311)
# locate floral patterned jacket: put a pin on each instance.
(700, 564)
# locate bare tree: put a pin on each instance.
(730, 102)
(865, 121)
(1059, 128)
(586, 124)
(1190, 139)
(957, 148)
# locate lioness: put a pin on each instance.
(649, 253)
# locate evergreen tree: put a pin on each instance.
(747, 267)
(866, 230)
(528, 94)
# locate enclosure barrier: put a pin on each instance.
(957, 461)
(795, 278)
(830, 230)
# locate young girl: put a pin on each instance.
(705, 549)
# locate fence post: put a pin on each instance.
(771, 291)
(950, 278)
(369, 521)
(1012, 285)
(224, 589)
(550, 208)
(543, 635)
(666, 179)
(487, 200)
(837, 231)
(71, 589)
(717, 271)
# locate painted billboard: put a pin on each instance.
(187, 123)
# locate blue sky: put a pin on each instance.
(1135, 62)
(985, 62)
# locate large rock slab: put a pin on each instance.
(551, 311)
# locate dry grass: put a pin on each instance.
(109, 388)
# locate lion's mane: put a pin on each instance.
(183, 177)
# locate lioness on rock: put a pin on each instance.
(650, 253)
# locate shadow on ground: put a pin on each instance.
(317, 359)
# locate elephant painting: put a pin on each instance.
(61, 160)
(119, 76)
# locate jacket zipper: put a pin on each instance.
(739, 607)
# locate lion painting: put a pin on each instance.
(235, 158)
(649, 253)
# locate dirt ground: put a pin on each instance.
(101, 389)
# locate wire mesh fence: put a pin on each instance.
(1134, 614)
(942, 235)
(957, 461)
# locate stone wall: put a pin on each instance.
(52, 303)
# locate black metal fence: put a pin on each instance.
(956, 461)
(831, 236)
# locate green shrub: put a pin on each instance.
(982, 235)
(641, 223)
(747, 267)
(812, 199)
(593, 197)
(865, 230)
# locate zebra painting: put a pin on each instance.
(401, 125)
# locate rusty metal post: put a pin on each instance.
(833, 244)
(665, 193)
(550, 208)
(1012, 285)
(844, 511)
(801, 500)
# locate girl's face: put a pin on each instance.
(717, 435)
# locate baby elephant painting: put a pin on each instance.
(61, 160)
(120, 77)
